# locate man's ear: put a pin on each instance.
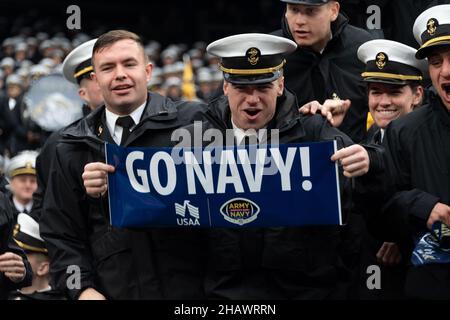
(43, 269)
(82, 93)
(335, 7)
(418, 96)
(149, 71)
(225, 88)
(280, 86)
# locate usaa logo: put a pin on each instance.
(240, 211)
(185, 219)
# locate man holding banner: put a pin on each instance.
(270, 263)
(89, 258)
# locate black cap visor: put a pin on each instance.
(252, 79)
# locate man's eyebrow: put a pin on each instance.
(130, 59)
(105, 64)
(265, 85)
(109, 63)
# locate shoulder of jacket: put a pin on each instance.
(312, 120)
(410, 124)
(278, 33)
(356, 35)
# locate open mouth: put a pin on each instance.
(252, 113)
(446, 88)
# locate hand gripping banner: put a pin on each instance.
(229, 187)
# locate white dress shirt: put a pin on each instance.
(21, 208)
(239, 134)
(114, 129)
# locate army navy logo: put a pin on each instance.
(432, 25)
(29, 165)
(381, 60)
(240, 211)
(253, 55)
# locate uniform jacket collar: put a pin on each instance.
(158, 111)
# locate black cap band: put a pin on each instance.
(29, 243)
(261, 64)
(394, 70)
(434, 30)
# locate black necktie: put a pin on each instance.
(126, 123)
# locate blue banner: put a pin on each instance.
(231, 187)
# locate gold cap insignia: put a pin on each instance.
(334, 96)
(381, 60)
(432, 25)
(16, 230)
(99, 130)
(253, 55)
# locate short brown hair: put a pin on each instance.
(109, 38)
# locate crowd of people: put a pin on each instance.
(370, 95)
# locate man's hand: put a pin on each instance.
(12, 266)
(333, 110)
(389, 254)
(354, 160)
(95, 178)
(91, 294)
(440, 212)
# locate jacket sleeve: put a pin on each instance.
(43, 164)
(403, 204)
(414, 203)
(64, 227)
(369, 188)
(327, 132)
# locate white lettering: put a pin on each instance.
(253, 180)
(284, 167)
(144, 187)
(74, 20)
(227, 160)
(171, 173)
(374, 280)
(205, 178)
(374, 21)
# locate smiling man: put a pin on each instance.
(116, 264)
(118, 73)
(420, 164)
